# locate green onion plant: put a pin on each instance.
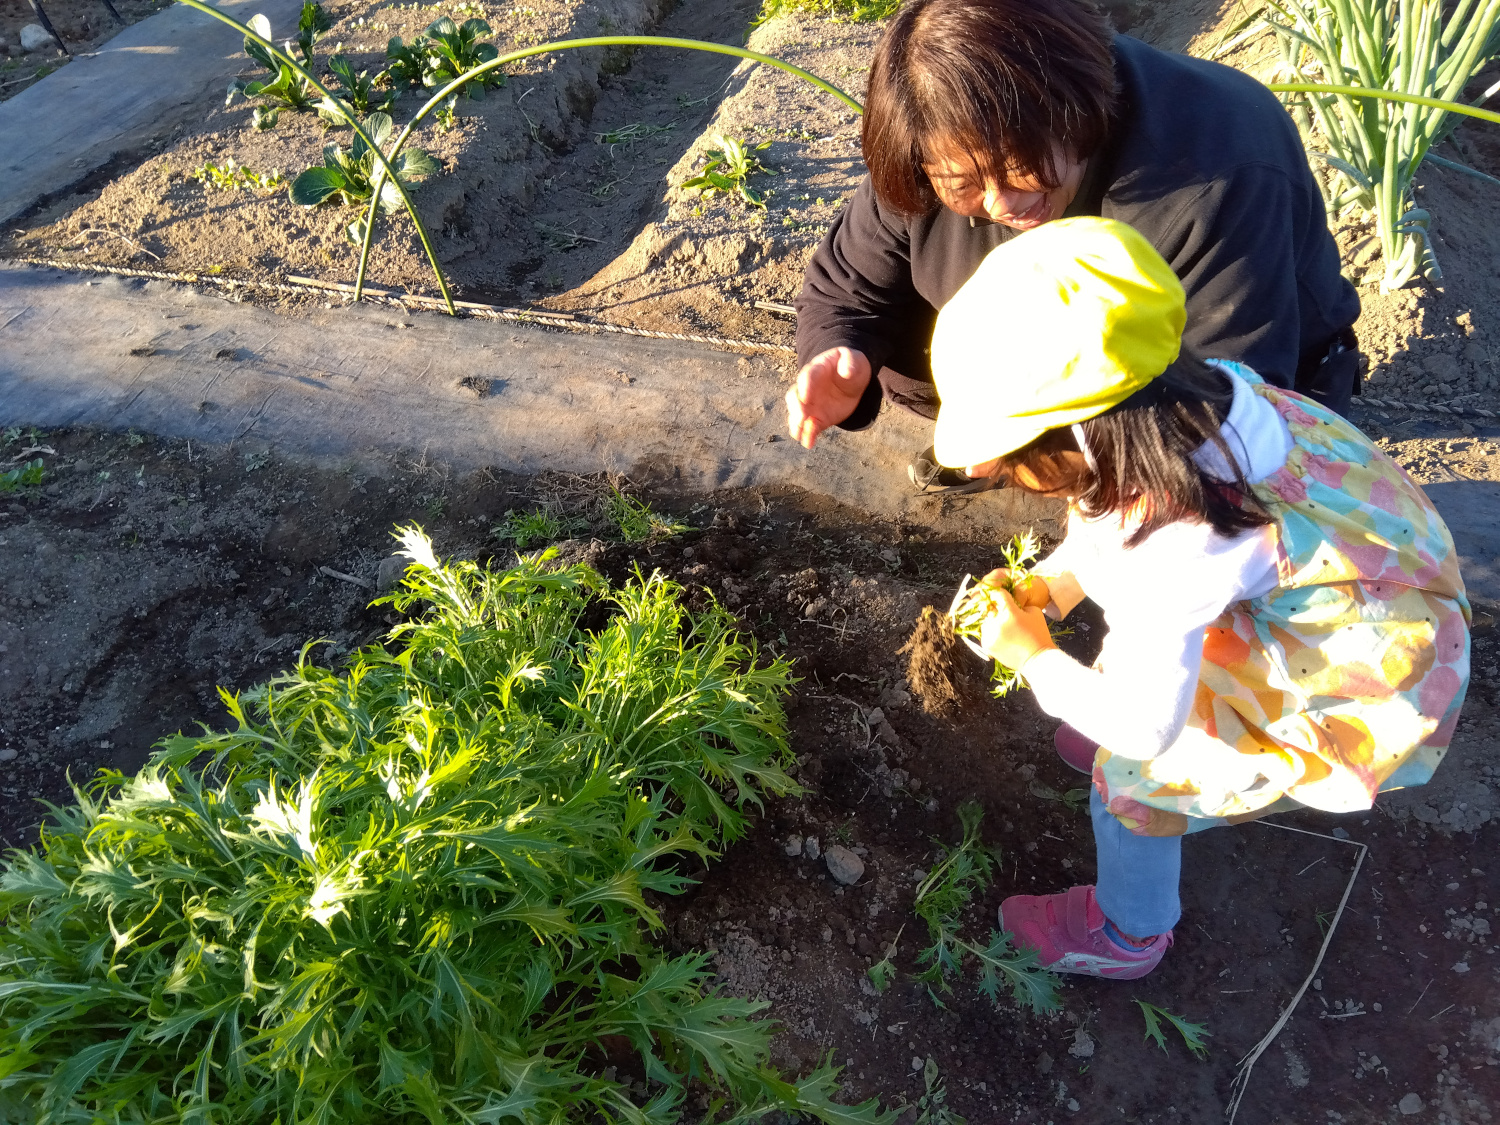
(421, 889)
(1424, 52)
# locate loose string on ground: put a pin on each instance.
(546, 318)
(1424, 408)
(1242, 1075)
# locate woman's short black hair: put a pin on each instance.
(1142, 458)
(1006, 80)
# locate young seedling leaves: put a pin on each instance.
(313, 22)
(1030, 985)
(1193, 1034)
(358, 91)
(452, 49)
(257, 50)
(881, 974)
(348, 174)
(728, 169)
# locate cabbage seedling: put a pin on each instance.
(348, 173)
(729, 167)
(454, 49)
(287, 90)
(313, 23)
(357, 90)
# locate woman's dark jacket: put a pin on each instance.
(1203, 160)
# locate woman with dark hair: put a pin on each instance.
(1287, 627)
(989, 117)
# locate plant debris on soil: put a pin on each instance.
(143, 573)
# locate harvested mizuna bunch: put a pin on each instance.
(975, 602)
(415, 890)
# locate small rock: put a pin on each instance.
(1426, 814)
(1083, 1045)
(1318, 984)
(1410, 1104)
(1451, 886)
(810, 848)
(794, 845)
(815, 608)
(392, 571)
(1044, 1063)
(846, 867)
(1340, 833)
(1482, 926)
(1430, 389)
(1376, 1006)
(7, 755)
(1442, 367)
(916, 1063)
(34, 37)
(1461, 967)
(1476, 353)
(1073, 1106)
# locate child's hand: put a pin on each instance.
(1013, 634)
(1029, 591)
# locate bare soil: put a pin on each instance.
(144, 573)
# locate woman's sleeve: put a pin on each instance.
(857, 292)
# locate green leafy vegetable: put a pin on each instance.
(974, 602)
(415, 890)
(932, 1106)
(637, 521)
(28, 475)
(358, 90)
(442, 53)
(1193, 1034)
(728, 169)
(347, 174)
(311, 25)
(453, 49)
(958, 875)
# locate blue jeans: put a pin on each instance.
(1138, 875)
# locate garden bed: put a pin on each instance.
(146, 572)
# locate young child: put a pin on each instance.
(1287, 625)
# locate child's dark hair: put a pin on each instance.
(1142, 454)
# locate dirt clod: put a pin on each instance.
(929, 662)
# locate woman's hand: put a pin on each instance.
(827, 391)
(1013, 634)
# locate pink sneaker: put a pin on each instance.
(1067, 931)
(1074, 748)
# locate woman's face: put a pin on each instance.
(1017, 201)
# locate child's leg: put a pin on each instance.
(1138, 875)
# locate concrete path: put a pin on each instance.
(73, 122)
(370, 382)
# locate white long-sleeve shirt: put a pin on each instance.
(1158, 598)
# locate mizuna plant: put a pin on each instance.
(1371, 147)
(414, 891)
(385, 167)
(959, 874)
(975, 601)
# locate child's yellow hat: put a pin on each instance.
(1056, 326)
